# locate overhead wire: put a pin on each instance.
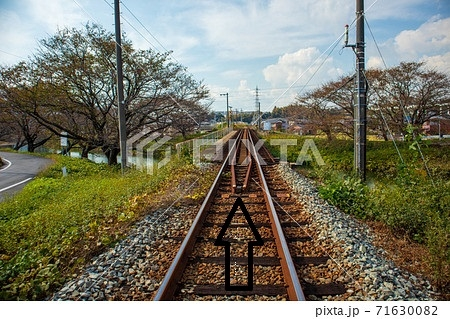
(12, 54)
(407, 117)
(332, 47)
(169, 95)
(151, 34)
(376, 92)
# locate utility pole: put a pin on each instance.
(360, 117)
(120, 95)
(258, 108)
(228, 113)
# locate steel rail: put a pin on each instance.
(175, 272)
(233, 164)
(233, 174)
(267, 154)
(248, 174)
(248, 160)
(294, 289)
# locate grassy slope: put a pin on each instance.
(57, 223)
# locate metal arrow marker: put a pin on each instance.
(220, 241)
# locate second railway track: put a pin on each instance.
(265, 215)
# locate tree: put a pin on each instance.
(71, 79)
(318, 110)
(408, 93)
(18, 126)
(188, 118)
(405, 94)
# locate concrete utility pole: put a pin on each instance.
(258, 108)
(228, 113)
(360, 117)
(120, 95)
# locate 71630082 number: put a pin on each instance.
(407, 310)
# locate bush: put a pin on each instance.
(400, 209)
(348, 194)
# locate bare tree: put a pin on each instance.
(321, 113)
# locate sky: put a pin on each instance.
(283, 47)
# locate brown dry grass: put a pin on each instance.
(407, 255)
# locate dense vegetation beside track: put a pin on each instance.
(57, 223)
(400, 194)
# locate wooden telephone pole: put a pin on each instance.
(120, 94)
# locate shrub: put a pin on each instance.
(399, 208)
(348, 194)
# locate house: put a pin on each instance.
(277, 124)
(437, 125)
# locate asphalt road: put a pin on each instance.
(19, 170)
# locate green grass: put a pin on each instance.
(411, 196)
(56, 223)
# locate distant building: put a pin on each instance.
(277, 124)
(437, 125)
(302, 127)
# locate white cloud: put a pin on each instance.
(268, 28)
(291, 67)
(431, 37)
(375, 62)
(54, 14)
(438, 62)
(243, 85)
(296, 72)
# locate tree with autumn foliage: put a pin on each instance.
(406, 95)
(69, 86)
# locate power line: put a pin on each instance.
(132, 26)
(84, 10)
(145, 28)
(12, 54)
(332, 47)
(401, 106)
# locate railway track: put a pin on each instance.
(246, 240)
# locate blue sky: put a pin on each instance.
(282, 46)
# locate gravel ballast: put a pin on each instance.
(349, 244)
(134, 268)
